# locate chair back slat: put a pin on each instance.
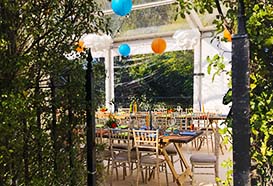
(146, 139)
(120, 139)
(180, 120)
(160, 121)
(141, 118)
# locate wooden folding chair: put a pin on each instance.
(121, 145)
(147, 148)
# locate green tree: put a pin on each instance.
(156, 79)
(260, 32)
(42, 96)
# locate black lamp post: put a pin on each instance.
(90, 123)
(89, 41)
(240, 102)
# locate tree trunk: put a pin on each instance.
(70, 140)
(54, 126)
(26, 153)
(38, 124)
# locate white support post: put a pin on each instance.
(197, 78)
(112, 83)
(109, 81)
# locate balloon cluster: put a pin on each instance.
(122, 7)
(227, 35)
(158, 46)
(124, 50)
(96, 42)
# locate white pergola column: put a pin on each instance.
(197, 78)
(109, 81)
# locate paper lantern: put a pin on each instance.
(159, 45)
(122, 7)
(124, 50)
(227, 35)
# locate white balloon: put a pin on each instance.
(187, 39)
(97, 42)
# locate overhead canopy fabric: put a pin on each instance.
(154, 18)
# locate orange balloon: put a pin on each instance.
(159, 45)
(227, 35)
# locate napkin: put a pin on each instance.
(187, 133)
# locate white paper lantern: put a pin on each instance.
(186, 39)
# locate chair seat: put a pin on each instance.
(151, 160)
(146, 148)
(107, 153)
(123, 156)
(120, 146)
(203, 158)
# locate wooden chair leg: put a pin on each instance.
(192, 177)
(207, 142)
(142, 174)
(167, 180)
(151, 173)
(111, 175)
(158, 177)
(124, 170)
(131, 168)
(181, 164)
(146, 174)
(200, 143)
(138, 169)
(212, 144)
(173, 164)
(116, 167)
(108, 165)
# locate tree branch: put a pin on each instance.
(219, 9)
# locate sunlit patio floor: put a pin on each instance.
(200, 180)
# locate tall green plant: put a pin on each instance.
(42, 96)
(260, 32)
(156, 79)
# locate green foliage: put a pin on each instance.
(259, 21)
(199, 6)
(217, 62)
(228, 164)
(260, 31)
(259, 16)
(42, 106)
(262, 135)
(41, 92)
(156, 79)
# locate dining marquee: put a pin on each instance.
(207, 93)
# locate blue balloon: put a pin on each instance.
(122, 7)
(124, 49)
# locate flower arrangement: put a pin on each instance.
(170, 110)
(103, 109)
(111, 122)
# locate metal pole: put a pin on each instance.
(90, 123)
(240, 102)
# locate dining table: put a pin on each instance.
(183, 137)
(177, 139)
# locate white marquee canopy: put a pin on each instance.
(194, 32)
